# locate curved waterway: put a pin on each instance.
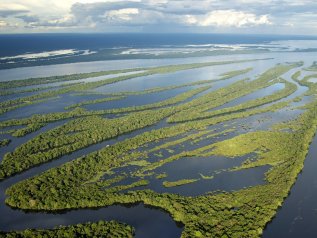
(147, 221)
(298, 215)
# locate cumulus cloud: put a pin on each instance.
(228, 18)
(139, 13)
(158, 15)
(125, 14)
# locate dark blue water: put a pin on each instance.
(109, 46)
(21, 43)
(298, 215)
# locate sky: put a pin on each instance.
(293, 17)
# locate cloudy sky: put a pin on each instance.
(203, 16)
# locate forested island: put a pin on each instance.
(160, 146)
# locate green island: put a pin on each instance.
(145, 141)
(169, 184)
(4, 142)
(98, 229)
(12, 104)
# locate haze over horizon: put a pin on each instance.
(160, 16)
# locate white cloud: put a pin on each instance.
(63, 21)
(228, 18)
(3, 24)
(158, 15)
(12, 6)
(125, 14)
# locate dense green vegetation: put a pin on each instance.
(62, 78)
(35, 120)
(256, 205)
(288, 90)
(92, 181)
(24, 101)
(4, 142)
(220, 95)
(10, 92)
(28, 129)
(234, 73)
(57, 142)
(72, 136)
(169, 184)
(21, 102)
(234, 91)
(224, 76)
(161, 89)
(296, 75)
(109, 229)
(72, 77)
(171, 101)
(100, 100)
(93, 129)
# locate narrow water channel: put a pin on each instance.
(147, 221)
(298, 215)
